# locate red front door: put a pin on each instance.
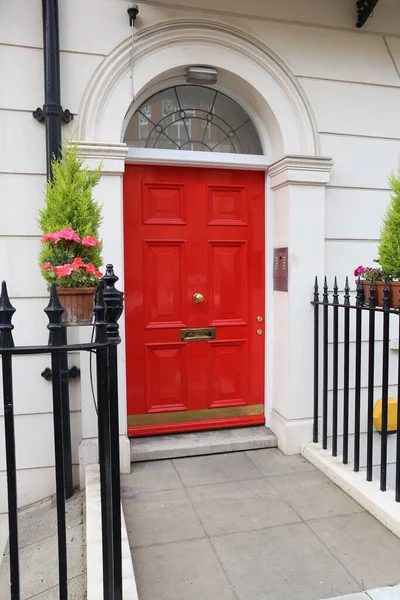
(194, 289)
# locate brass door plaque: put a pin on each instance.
(199, 334)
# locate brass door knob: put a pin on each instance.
(198, 298)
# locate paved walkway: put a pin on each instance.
(38, 553)
(251, 525)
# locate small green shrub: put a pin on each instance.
(389, 246)
(70, 253)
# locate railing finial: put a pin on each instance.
(6, 314)
(54, 311)
(99, 315)
(114, 301)
(347, 292)
(359, 292)
(325, 295)
(335, 292)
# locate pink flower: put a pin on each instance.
(64, 270)
(99, 274)
(69, 235)
(50, 237)
(90, 268)
(359, 271)
(88, 240)
(46, 266)
(77, 263)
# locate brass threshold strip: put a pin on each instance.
(195, 415)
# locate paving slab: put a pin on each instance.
(76, 591)
(39, 522)
(205, 442)
(282, 563)
(369, 551)
(39, 565)
(39, 552)
(150, 477)
(160, 517)
(272, 462)
(242, 506)
(313, 496)
(201, 470)
(180, 571)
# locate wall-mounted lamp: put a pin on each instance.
(133, 12)
(202, 75)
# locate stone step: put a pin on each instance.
(199, 443)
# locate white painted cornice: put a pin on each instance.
(300, 170)
(112, 156)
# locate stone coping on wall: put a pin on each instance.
(94, 543)
(381, 505)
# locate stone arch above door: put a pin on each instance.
(274, 96)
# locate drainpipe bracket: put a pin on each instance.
(40, 114)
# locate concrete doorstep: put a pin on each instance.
(201, 443)
(94, 554)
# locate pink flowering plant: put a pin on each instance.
(70, 253)
(369, 273)
(69, 260)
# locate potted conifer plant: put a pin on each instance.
(388, 252)
(70, 253)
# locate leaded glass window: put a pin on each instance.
(193, 117)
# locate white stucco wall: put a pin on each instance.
(350, 77)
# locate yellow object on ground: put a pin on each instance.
(392, 414)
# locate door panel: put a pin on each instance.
(228, 283)
(165, 371)
(227, 375)
(163, 283)
(194, 258)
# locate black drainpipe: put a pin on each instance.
(51, 115)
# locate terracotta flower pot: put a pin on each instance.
(394, 293)
(78, 305)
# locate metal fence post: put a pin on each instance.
(113, 299)
(105, 457)
(69, 485)
(54, 311)
(6, 341)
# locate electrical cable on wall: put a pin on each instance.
(132, 62)
(133, 12)
(91, 372)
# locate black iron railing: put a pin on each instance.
(346, 319)
(108, 308)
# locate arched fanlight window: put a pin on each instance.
(192, 117)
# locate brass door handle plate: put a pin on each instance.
(198, 298)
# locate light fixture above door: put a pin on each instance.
(202, 75)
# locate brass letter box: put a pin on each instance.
(200, 334)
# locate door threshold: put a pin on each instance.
(201, 443)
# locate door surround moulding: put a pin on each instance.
(165, 47)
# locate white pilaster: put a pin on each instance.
(298, 185)
(108, 193)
